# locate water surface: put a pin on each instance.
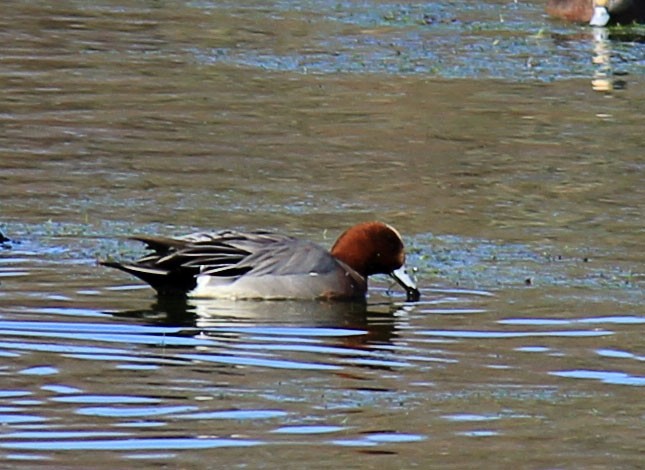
(507, 148)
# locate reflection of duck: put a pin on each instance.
(598, 12)
(264, 265)
(352, 324)
(167, 311)
(604, 79)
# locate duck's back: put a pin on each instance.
(239, 265)
(282, 268)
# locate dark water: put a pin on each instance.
(507, 149)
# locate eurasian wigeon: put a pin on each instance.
(265, 265)
(598, 12)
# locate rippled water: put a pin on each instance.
(507, 148)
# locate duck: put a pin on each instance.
(598, 12)
(261, 264)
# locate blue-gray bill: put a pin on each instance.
(405, 281)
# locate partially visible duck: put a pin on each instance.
(4, 239)
(265, 265)
(598, 12)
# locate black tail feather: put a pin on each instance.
(178, 282)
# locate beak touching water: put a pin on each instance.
(405, 281)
